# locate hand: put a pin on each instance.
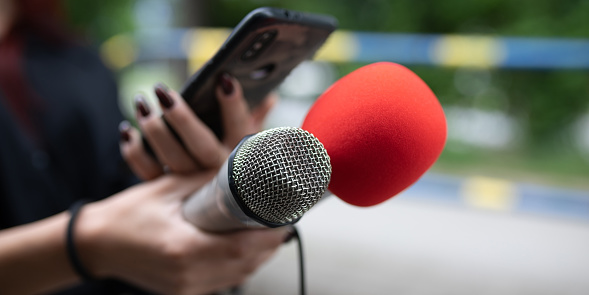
(140, 236)
(202, 149)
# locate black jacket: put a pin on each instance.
(72, 150)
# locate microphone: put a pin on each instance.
(382, 127)
(270, 179)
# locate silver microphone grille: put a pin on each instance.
(280, 173)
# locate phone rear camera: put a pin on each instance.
(263, 72)
(262, 41)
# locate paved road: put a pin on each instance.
(416, 246)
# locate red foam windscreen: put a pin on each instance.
(382, 127)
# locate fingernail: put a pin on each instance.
(141, 105)
(124, 128)
(161, 91)
(226, 83)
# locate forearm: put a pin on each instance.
(148, 245)
(33, 257)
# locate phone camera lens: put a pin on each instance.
(257, 46)
(248, 54)
(265, 36)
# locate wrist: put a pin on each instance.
(88, 234)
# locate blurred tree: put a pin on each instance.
(100, 20)
(566, 18)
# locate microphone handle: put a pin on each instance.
(214, 208)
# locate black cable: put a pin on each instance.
(301, 260)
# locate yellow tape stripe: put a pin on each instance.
(489, 193)
(201, 44)
(341, 46)
(468, 51)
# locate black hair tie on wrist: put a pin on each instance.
(70, 245)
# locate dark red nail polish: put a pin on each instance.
(141, 105)
(124, 128)
(226, 83)
(161, 91)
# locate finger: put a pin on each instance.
(250, 243)
(198, 139)
(257, 249)
(172, 189)
(131, 146)
(237, 121)
(257, 261)
(165, 146)
(237, 255)
(268, 239)
(266, 246)
(260, 113)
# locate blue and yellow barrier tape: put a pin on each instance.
(198, 45)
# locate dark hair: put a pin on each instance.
(44, 19)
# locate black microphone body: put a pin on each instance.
(270, 179)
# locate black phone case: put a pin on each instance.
(286, 38)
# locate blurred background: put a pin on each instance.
(505, 210)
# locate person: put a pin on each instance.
(58, 121)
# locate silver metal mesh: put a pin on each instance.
(281, 173)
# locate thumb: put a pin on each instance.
(174, 187)
(260, 113)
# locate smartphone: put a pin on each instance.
(260, 52)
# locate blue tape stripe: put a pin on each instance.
(546, 53)
(551, 201)
(529, 199)
(400, 48)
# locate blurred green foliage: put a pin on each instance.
(100, 20)
(565, 18)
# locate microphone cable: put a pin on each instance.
(297, 236)
(294, 234)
